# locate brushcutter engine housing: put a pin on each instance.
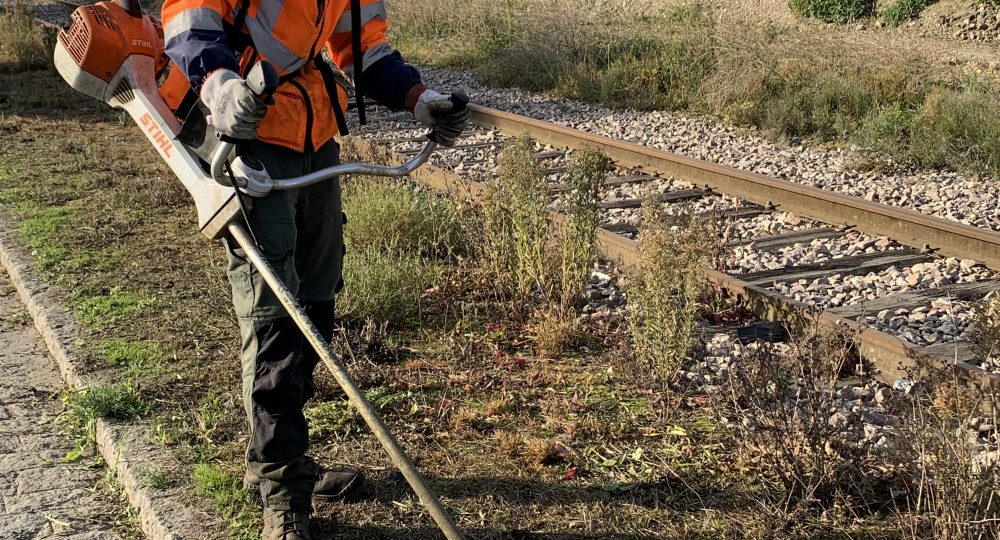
(113, 52)
(105, 48)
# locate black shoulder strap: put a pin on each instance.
(330, 81)
(234, 34)
(359, 86)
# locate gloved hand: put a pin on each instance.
(436, 111)
(236, 111)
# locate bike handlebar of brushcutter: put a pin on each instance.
(263, 81)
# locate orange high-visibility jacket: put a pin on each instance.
(201, 37)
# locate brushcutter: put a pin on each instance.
(112, 51)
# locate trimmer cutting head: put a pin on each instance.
(98, 53)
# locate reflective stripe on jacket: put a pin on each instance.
(200, 38)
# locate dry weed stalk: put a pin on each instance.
(947, 455)
(585, 176)
(515, 222)
(666, 292)
(785, 397)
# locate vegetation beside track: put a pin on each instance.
(645, 54)
(522, 438)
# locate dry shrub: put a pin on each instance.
(23, 41)
(666, 291)
(835, 11)
(784, 397)
(951, 467)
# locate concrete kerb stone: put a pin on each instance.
(126, 449)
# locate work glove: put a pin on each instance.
(436, 111)
(236, 111)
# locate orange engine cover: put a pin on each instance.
(102, 36)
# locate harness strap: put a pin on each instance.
(330, 81)
(359, 61)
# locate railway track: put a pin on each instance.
(895, 238)
(742, 199)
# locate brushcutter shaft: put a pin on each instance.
(330, 360)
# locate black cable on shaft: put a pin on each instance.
(359, 64)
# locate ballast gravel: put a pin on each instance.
(965, 199)
(843, 290)
(942, 320)
(864, 413)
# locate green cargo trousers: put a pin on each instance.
(300, 233)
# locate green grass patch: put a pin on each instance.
(901, 11)
(134, 355)
(158, 479)
(225, 489)
(956, 128)
(384, 287)
(82, 409)
(393, 217)
(833, 11)
(42, 231)
(105, 310)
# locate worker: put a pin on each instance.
(213, 44)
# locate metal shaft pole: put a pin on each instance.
(372, 418)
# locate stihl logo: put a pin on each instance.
(156, 134)
(142, 43)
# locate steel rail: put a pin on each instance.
(907, 227)
(890, 355)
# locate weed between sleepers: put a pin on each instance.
(666, 292)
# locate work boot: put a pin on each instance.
(331, 484)
(286, 525)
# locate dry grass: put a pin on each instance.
(678, 55)
(24, 42)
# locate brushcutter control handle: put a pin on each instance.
(460, 106)
(263, 81)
